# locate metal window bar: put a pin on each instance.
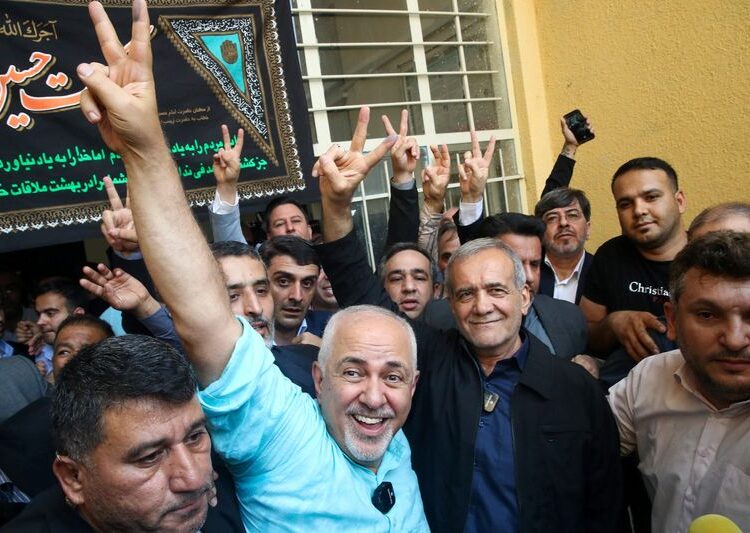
(345, 11)
(408, 103)
(398, 74)
(387, 44)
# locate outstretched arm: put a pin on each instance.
(435, 180)
(403, 209)
(562, 171)
(224, 212)
(473, 174)
(121, 100)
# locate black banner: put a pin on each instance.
(215, 62)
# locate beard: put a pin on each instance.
(365, 449)
(724, 390)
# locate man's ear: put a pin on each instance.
(525, 299)
(69, 473)
(670, 313)
(79, 311)
(317, 373)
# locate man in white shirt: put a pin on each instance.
(566, 213)
(687, 412)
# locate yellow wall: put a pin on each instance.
(667, 78)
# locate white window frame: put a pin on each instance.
(319, 110)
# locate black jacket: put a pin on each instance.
(566, 450)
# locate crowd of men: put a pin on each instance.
(490, 375)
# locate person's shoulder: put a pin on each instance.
(655, 367)
(546, 301)
(48, 512)
(615, 245)
(558, 312)
(20, 363)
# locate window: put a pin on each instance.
(444, 60)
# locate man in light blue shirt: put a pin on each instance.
(298, 463)
(343, 463)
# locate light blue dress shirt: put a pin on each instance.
(290, 474)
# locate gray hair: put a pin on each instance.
(330, 333)
(718, 212)
(479, 245)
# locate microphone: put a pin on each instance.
(384, 497)
(713, 523)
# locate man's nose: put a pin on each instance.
(295, 292)
(482, 304)
(736, 334)
(251, 304)
(408, 284)
(639, 206)
(373, 395)
(190, 470)
(289, 226)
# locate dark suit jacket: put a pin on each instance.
(295, 362)
(547, 278)
(20, 384)
(564, 322)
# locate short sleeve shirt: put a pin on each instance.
(621, 279)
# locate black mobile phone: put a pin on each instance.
(577, 124)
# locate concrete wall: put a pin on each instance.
(667, 78)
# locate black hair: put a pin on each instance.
(90, 321)
(294, 246)
(648, 163)
(563, 197)
(74, 295)
(232, 249)
(400, 247)
(515, 223)
(107, 374)
(724, 254)
(282, 200)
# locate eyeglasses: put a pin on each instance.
(572, 215)
(384, 498)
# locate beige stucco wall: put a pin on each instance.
(667, 78)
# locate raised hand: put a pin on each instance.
(117, 226)
(571, 143)
(120, 97)
(435, 179)
(341, 171)
(25, 330)
(405, 151)
(120, 290)
(227, 165)
(473, 172)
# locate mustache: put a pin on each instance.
(361, 410)
(260, 320)
(186, 499)
(743, 355)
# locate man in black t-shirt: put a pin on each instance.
(628, 281)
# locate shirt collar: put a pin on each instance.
(576, 271)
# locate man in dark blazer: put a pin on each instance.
(566, 214)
